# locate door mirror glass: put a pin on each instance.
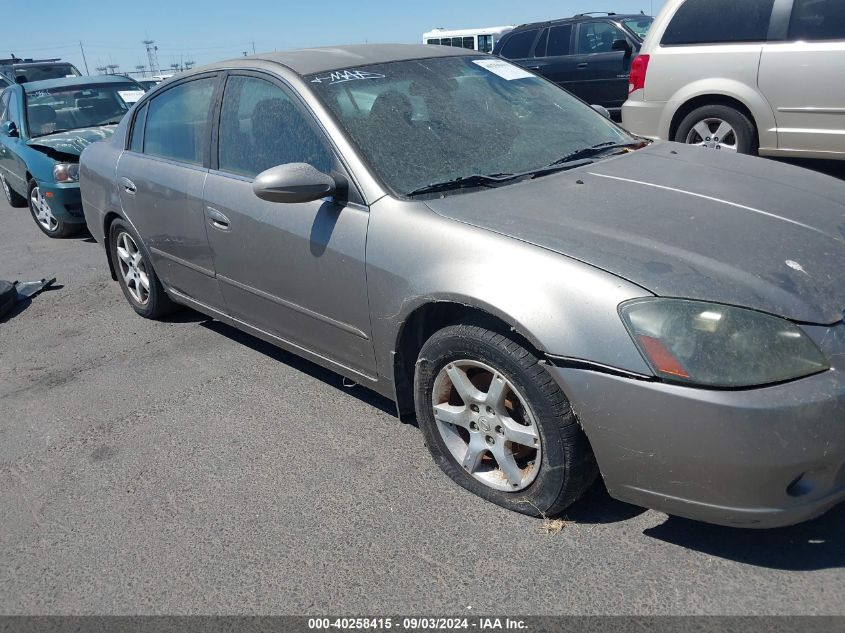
(9, 129)
(292, 183)
(601, 110)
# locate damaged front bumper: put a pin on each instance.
(760, 458)
(65, 201)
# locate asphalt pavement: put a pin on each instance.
(182, 467)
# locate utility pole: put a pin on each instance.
(253, 47)
(87, 72)
(113, 68)
(152, 56)
(140, 68)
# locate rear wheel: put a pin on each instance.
(43, 215)
(12, 197)
(718, 127)
(135, 273)
(498, 424)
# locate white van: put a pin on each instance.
(751, 76)
(482, 40)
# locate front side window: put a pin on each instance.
(4, 105)
(177, 122)
(485, 43)
(421, 122)
(72, 107)
(597, 37)
(262, 127)
(559, 39)
(518, 45)
(719, 21)
(817, 20)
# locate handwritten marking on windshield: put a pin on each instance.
(339, 76)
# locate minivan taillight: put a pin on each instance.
(636, 80)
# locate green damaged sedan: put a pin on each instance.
(44, 126)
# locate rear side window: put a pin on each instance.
(814, 20)
(719, 21)
(559, 37)
(518, 45)
(136, 142)
(177, 122)
(262, 127)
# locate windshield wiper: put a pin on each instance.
(594, 151)
(463, 182)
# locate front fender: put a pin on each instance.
(562, 306)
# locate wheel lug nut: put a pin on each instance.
(490, 410)
(500, 430)
(473, 426)
(490, 440)
(474, 408)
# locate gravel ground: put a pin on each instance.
(184, 467)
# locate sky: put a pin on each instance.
(204, 31)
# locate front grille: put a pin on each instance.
(74, 208)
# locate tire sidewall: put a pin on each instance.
(152, 308)
(743, 128)
(542, 493)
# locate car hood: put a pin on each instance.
(682, 221)
(72, 142)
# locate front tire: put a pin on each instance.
(135, 273)
(498, 424)
(14, 199)
(718, 127)
(41, 212)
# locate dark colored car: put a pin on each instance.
(44, 126)
(588, 55)
(24, 72)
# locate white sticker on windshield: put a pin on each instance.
(503, 69)
(130, 96)
(340, 76)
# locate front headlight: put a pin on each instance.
(66, 172)
(714, 345)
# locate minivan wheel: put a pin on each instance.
(135, 273)
(43, 215)
(718, 127)
(12, 197)
(498, 424)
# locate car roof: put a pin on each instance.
(64, 82)
(307, 61)
(580, 18)
(31, 64)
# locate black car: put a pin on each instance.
(588, 54)
(16, 70)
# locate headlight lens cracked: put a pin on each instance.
(715, 345)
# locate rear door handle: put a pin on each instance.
(217, 220)
(128, 185)
(583, 64)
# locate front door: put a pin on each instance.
(161, 179)
(295, 271)
(804, 78)
(12, 166)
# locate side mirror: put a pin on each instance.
(292, 183)
(623, 45)
(601, 110)
(9, 129)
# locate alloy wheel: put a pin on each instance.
(133, 268)
(43, 213)
(713, 133)
(487, 425)
(6, 189)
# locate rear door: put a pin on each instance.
(804, 78)
(601, 73)
(553, 55)
(161, 177)
(518, 47)
(295, 271)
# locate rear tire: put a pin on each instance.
(41, 212)
(135, 272)
(511, 410)
(12, 197)
(718, 127)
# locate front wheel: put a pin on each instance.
(43, 215)
(498, 424)
(12, 197)
(718, 127)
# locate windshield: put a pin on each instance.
(73, 107)
(41, 72)
(433, 120)
(639, 25)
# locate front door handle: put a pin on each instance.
(128, 185)
(217, 220)
(583, 65)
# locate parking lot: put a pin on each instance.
(184, 467)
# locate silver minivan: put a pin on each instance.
(757, 76)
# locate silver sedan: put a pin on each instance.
(552, 297)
